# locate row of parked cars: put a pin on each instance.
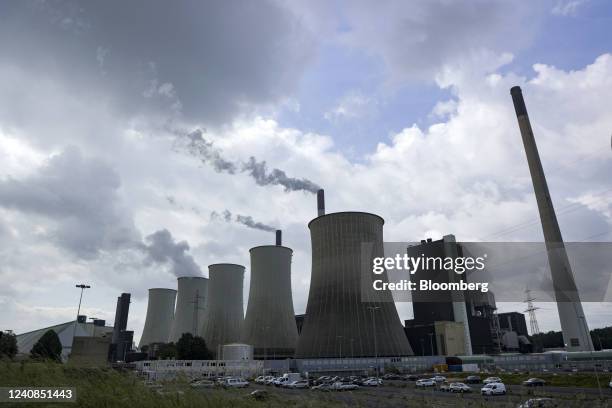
(324, 383)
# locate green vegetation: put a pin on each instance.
(113, 389)
(48, 347)
(8, 344)
(192, 348)
(602, 339)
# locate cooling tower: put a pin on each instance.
(269, 325)
(224, 311)
(190, 307)
(338, 322)
(160, 314)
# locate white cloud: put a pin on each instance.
(567, 7)
(353, 105)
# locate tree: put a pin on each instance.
(166, 351)
(8, 344)
(192, 348)
(47, 347)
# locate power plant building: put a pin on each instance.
(190, 307)
(224, 306)
(338, 322)
(269, 325)
(160, 315)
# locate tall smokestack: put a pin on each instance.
(279, 237)
(576, 334)
(321, 202)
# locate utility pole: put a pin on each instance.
(81, 286)
(372, 310)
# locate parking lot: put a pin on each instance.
(406, 394)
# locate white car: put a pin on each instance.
(491, 380)
(298, 384)
(426, 382)
(344, 386)
(493, 389)
(439, 378)
(610, 385)
(459, 387)
(235, 383)
(372, 382)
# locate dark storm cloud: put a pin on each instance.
(80, 197)
(196, 145)
(207, 60)
(161, 248)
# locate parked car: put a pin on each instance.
(610, 384)
(298, 384)
(439, 378)
(491, 380)
(425, 382)
(372, 382)
(445, 386)
(344, 386)
(235, 383)
(534, 382)
(259, 379)
(391, 377)
(539, 403)
(411, 377)
(472, 379)
(459, 387)
(270, 380)
(493, 389)
(322, 387)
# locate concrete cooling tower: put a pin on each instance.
(269, 325)
(224, 310)
(339, 323)
(190, 307)
(160, 314)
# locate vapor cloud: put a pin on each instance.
(196, 145)
(246, 220)
(161, 248)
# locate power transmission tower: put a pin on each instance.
(196, 308)
(533, 322)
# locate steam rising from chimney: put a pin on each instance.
(246, 220)
(161, 248)
(196, 145)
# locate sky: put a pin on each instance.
(145, 140)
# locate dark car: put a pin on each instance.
(472, 379)
(411, 377)
(534, 382)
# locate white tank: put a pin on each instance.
(237, 351)
(224, 310)
(160, 314)
(190, 307)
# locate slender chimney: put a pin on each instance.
(571, 315)
(279, 237)
(321, 202)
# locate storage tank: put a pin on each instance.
(269, 324)
(237, 351)
(339, 323)
(190, 307)
(224, 307)
(160, 315)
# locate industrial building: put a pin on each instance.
(66, 332)
(160, 315)
(155, 370)
(339, 322)
(269, 324)
(122, 340)
(475, 311)
(190, 307)
(224, 315)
